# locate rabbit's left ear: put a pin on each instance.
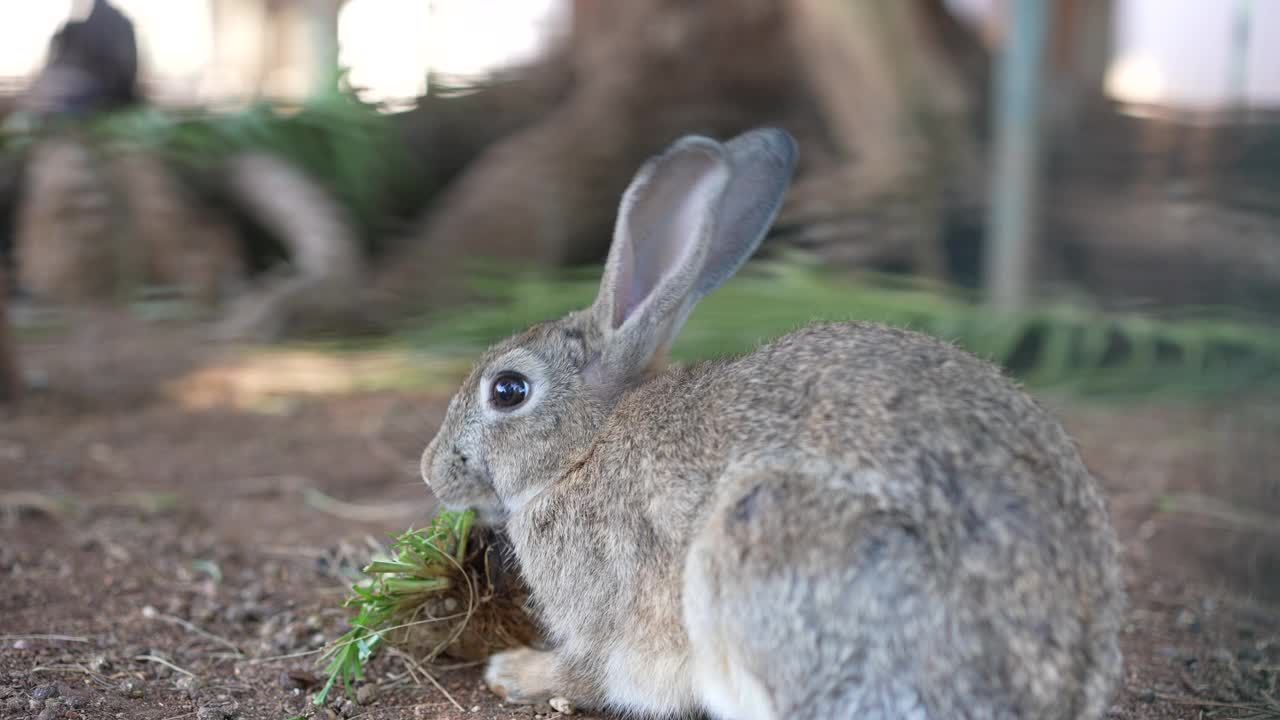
(689, 220)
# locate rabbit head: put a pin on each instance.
(690, 218)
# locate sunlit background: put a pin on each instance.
(212, 50)
(196, 51)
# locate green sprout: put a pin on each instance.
(423, 562)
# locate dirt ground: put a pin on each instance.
(174, 550)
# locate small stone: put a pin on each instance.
(188, 684)
(297, 679)
(213, 712)
(1223, 655)
(44, 692)
(35, 705)
(131, 689)
(562, 705)
(75, 700)
(366, 694)
(1187, 620)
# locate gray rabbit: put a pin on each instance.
(851, 521)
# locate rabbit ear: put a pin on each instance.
(762, 160)
(690, 218)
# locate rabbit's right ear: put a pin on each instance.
(659, 247)
(690, 219)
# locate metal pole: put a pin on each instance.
(1238, 69)
(1016, 167)
(322, 15)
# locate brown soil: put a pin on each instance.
(162, 561)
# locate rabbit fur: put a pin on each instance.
(851, 521)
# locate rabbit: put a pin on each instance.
(851, 521)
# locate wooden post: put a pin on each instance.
(1016, 178)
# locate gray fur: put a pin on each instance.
(851, 521)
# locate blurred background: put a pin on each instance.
(250, 239)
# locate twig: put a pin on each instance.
(56, 638)
(1196, 702)
(338, 646)
(152, 614)
(318, 500)
(290, 656)
(412, 665)
(166, 663)
(1235, 518)
(362, 513)
(98, 678)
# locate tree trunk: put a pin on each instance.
(546, 194)
(896, 84)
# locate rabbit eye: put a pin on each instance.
(509, 390)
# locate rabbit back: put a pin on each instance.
(899, 531)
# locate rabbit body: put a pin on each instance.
(851, 521)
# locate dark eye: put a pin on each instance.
(509, 390)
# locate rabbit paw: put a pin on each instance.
(523, 676)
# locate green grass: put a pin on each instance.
(422, 563)
(1064, 343)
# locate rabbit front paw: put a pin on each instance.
(523, 676)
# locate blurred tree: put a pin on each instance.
(881, 94)
(899, 85)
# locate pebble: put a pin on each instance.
(99, 663)
(297, 679)
(213, 712)
(1187, 620)
(44, 692)
(366, 694)
(131, 689)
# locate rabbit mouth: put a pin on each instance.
(493, 517)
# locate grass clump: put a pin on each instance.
(444, 590)
(1063, 343)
